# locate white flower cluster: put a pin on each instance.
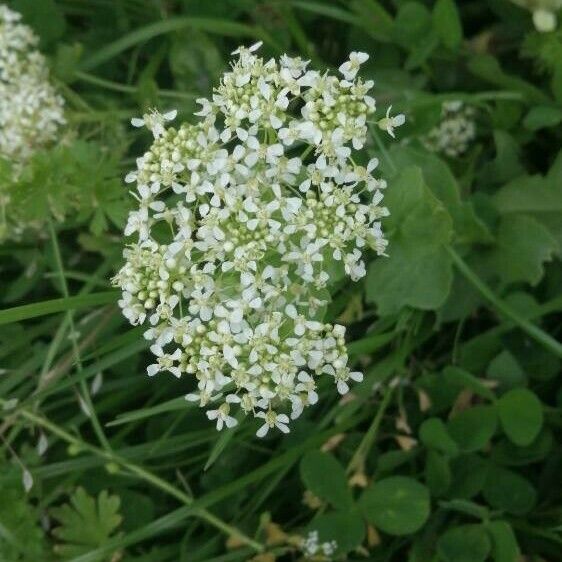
(455, 132)
(544, 13)
(31, 112)
(311, 547)
(243, 219)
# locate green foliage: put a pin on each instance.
(85, 523)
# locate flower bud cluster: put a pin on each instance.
(31, 112)
(243, 220)
(455, 132)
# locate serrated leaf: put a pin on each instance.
(418, 272)
(86, 524)
(397, 505)
(521, 415)
(523, 246)
(324, 476)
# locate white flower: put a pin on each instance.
(154, 121)
(272, 419)
(236, 235)
(350, 67)
(389, 123)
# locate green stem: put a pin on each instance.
(85, 393)
(532, 330)
(357, 462)
(142, 473)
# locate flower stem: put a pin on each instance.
(532, 330)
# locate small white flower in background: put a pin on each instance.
(31, 110)
(454, 133)
(544, 13)
(267, 195)
(310, 546)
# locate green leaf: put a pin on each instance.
(466, 380)
(347, 528)
(44, 16)
(538, 196)
(508, 491)
(85, 524)
(437, 473)
(418, 272)
(27, 311)
(523, 245)
(397, 505)
(504, 543)
(324, 476)
(469, 476)
(447, 22)
(434, 434)
(467, 543)
(440, 180)
(466, 507)
(521, 415)
(472, 429)
(542, 116)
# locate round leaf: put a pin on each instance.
(467, 543)
(434, 435)
(396, 505)
(324, 476)
(504, 543)
(521, 415)
(473, 428)
(507, 490)
(347, 529)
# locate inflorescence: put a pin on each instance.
(31, 112)
(244, 218)
(455, 132)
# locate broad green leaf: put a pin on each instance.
(472, 429)
(433, 434)
(469, 476)
(437, 473)
(505, 369)
(508, 491)
(412, 24)
(44, 16)
(447, 22)
(521, 415)
(324, 476)
(467, 543)
(538, 196)
(488, 68)
(346, 528)
(418, 272)
(504, 543)
(542, 116)
(397, 505)
(523, 246)
(440, 180)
